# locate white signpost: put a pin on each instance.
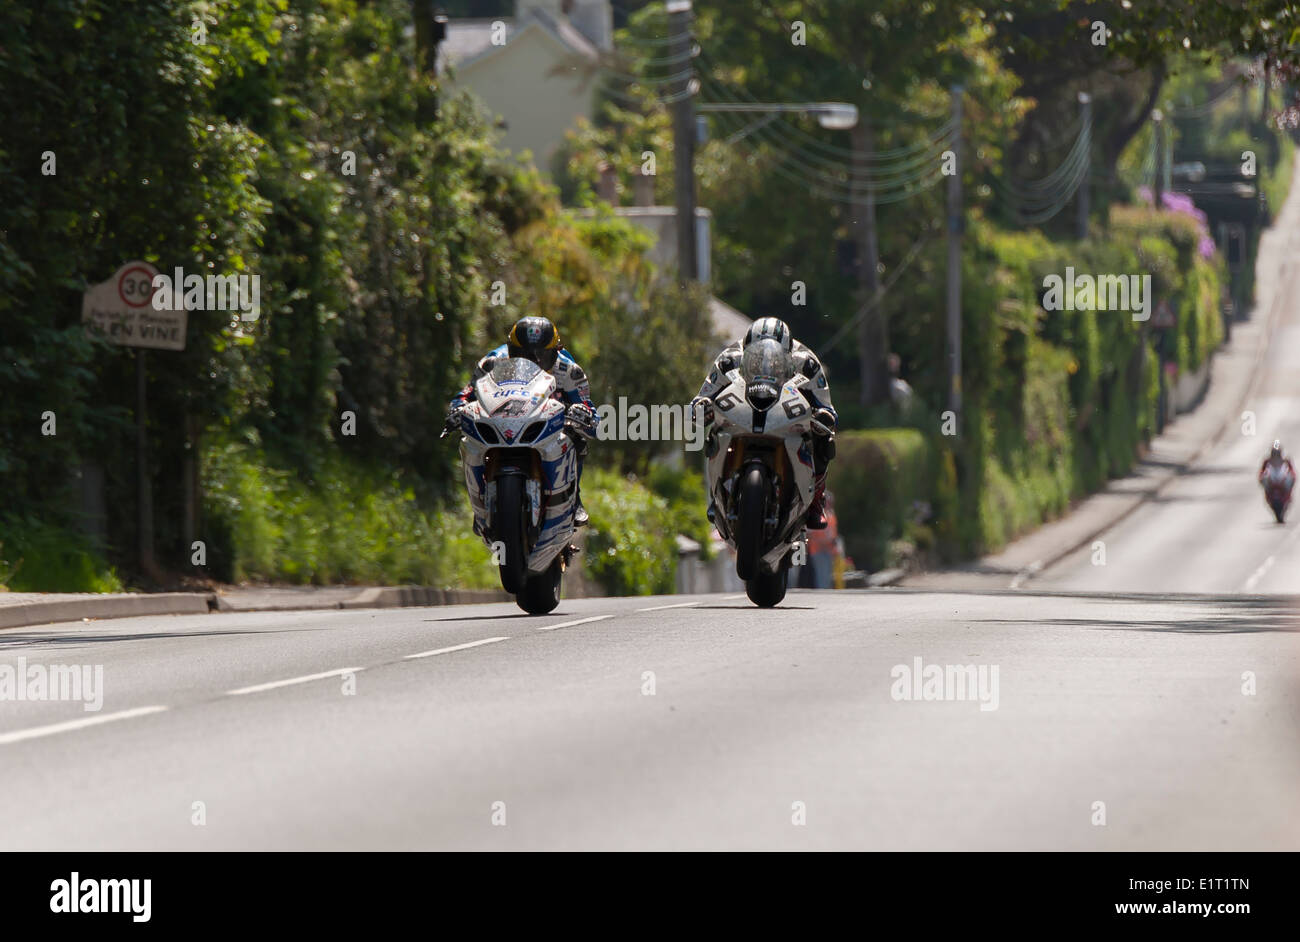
(120, 309)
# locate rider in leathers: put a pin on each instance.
(816, 391)
(536, 339)
(1276, 459)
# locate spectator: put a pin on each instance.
(822, 547)
(900, 391)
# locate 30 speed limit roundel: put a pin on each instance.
(135, 285)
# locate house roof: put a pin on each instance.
(728, 323)
(468, 41)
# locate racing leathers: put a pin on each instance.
(571, 388)
(816, 391)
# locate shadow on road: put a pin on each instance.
(509, 615)
(755, 608)
(1244, 616)
(10, 639)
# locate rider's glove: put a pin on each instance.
(453, 422)
(702, 406)
(823, 422)
(580, 419)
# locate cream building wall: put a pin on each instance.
(537, 86)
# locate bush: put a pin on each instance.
(39, 557)
(688, 501)
(881, 479)
(631, 542)
(346, 523)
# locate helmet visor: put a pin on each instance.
(765, 367)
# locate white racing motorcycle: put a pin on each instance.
(521, 470)
(760, 468)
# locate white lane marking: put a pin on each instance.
(732, 598)
(37, 731)
(660, 608)
(1027, 573)
(570, 624)
(258, 688)
(455, 647)
(1259, 573)
(1267, 564)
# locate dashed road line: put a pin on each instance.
(455, 647)
(571, 624)
(37, 732)
(258, 688)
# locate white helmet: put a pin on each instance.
(769, 328)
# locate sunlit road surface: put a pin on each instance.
(675, 723)
(1209, 530)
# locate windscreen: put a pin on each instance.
(514, 370)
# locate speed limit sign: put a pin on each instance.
(121, 311)
(135, 284)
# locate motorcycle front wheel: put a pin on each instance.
(541, 593)
(767, 589)
(508, 530)
(750, 516)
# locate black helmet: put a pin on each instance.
(769, 328)
(1277, 450)
(536, 339)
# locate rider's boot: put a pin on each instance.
(816, 519)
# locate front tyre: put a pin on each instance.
(767, 589)
(750, 518)
(508, 530)
(541, 593)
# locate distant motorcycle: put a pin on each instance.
(760, 468)
(520, 466)
(1278, 482)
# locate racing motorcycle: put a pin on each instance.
(521, 470)
(1278, 482)
(760, 468)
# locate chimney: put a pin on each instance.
(643, 190)
(607, 185)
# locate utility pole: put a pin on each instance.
(430, 31)
(1085, 114)
(1167, 153)
(955, 227)
(679, 27)
(1158, 117)
(1263, 90)
(144, 490)
(873, 332)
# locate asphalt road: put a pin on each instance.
(1135, 703)
(1108, 720)
(1209, 530)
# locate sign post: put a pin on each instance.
(121, 311)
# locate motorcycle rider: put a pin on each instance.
(537, 339)
(817, 392)
(1276, 459)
